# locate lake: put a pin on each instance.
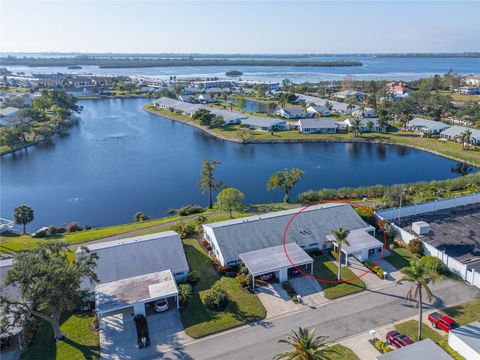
(374, 68)
(120, 160)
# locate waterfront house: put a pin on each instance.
(265, 123)
(229, 117)
(259, 238)
(337, 106)
(366, 112)
(291, 113)
(453, 133)
(204, 99)
(317, 126)
(186, 98)
(318, 110)
(8, 116)
(472, 80)
(165, 103)
(150, 266)
(425, 126)
(364, 124)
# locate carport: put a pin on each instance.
(274, 260)
(135, 292)
(363, 246)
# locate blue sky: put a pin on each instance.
(240, 26)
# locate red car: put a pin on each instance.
(398, 340)
(442, 322)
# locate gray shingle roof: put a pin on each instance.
(469, 334)
(263, 121)
(125, 258)
(427, 124)
(458, 130)
(261, 231)
(274, 258)
(310, 123)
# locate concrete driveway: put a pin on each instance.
(310, 291)
(276, 300)
(118, 336)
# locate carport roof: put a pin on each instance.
(274, 258)
(120, 294)
(359, 240)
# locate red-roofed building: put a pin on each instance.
(472, 80)
(398, 88)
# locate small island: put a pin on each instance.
(234, 73)
(74, 67)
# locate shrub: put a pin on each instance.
(184, 230)
(377, 270)
(185, 293)
(216, 298)
(40, 234)
(189, 210)
(289, 289)
(193, 278)
(206, 245)
(333, 253)
(444, 345)
(73, 227)
(140, 216)
(245, 280)
(380, 346)
(225, 270)
(94, 323)
(61, 230)
(242, 269)
(415, 247)
(52, 230)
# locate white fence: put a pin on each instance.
(412, 210)
(469, 275)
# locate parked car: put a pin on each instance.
(266, 277)
(398, 340)
(442, 322)
(161, 305)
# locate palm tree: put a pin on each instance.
(403, 119)
(341, 238)
(382, 123)
(465, 138)
(356, 124)
(306, 345)
(370, 125)
(421, 273)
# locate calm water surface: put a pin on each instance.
(120, 160)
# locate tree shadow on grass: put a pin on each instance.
(89, 352)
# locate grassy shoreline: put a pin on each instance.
(449, 150)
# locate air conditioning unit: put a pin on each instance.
(420, 228)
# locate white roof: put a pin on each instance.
(338, 106)
(363, 121)
(359, 240)
(458, 130)
(126, 258)
(425, 350)
(8, 111)
(316, 123)
(263, 121)
(427, 124)
(119, 294)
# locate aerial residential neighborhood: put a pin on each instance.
(251, 180)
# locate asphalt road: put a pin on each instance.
(337, 320)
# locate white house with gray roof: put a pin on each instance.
(135, 271)
(265, 123)
(421, 350)
(364, 125)
(453, 133)
(309, 230)
(425, 126)
(317, 126)
(318, 109)
(291, 113)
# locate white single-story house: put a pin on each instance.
(186, 98)
(421, 350)
(366, 112)
(310, 230)
(364, 124)
(337, 106)
(265, 123)
(8, 115)
(468, 90)
(453, 133)
(229, 117)
(318, 109)
(363, 245)
(466, 340)
(165, 102)
(136, 271)
(426, 126)
(317, 126)
(291, 113)
(204, 98)
(349, 93)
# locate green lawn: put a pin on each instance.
(399, 258)
(80, 343)
(326, 269)
(464, 313)
(410, 328)
(339, 352)
(199, 321)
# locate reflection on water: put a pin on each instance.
(120, 160)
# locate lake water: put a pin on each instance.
(373, 68)
(120, 160)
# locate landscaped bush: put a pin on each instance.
(415, 247)
(52, 230)
(290, 290)
(216, 298)
(206, 245)
(185, 293)
(225, 270)
(333, 253)
(377, 270)
(380, 346)
(193, 278)
(444, 345)
(189, 210)
(245, 280)
(61, 230)
(184, 230)
(73, 227)
(142, 331)
(40, 234)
